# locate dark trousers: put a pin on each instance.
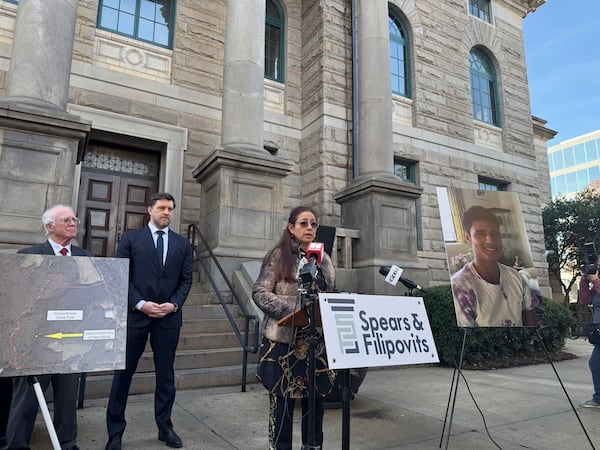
(6, 388)
(164, 343)
(24, 408)
(281, 420)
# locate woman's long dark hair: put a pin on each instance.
(285, 266)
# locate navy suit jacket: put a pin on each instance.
(46, 249)
(148, 281)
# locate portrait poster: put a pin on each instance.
(494, 282)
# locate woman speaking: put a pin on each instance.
(283, 359)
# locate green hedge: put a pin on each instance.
(488, 343)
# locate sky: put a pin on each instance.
(562, 47)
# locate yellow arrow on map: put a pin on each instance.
(63, 335)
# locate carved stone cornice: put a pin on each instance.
(523, 7)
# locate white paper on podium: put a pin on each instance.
(375, 330)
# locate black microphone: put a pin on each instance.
(314, 254)
(396, 272)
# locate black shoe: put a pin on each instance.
(114, 442)
(74, 448)
(170, 437)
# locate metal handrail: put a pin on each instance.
(192, 232)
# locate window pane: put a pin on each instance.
(147, 10)
(582, 179)
(128, 6)
(558, 160)
(594, 173)
(569, 156)
(561, 185)
(146, 30)
(109, 18)
(398, 57)
(161, 34)
(149, 20)
(553, 187)
(591, 152)
(405, 170)
(487, 187)
(485, 184)
(126, 23)
(483, 88)
(272, 9)
(481, 9)
(571, 182)
(274, 51)
(579, 154)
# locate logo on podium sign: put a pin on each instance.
(375, 330)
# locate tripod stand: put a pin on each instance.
(308, 299)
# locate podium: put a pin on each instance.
(299, 318)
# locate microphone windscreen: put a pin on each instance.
(315, 248)
(384, 270)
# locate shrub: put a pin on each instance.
(487, 343)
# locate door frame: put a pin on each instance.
(170, 178)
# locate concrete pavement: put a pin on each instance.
(398, 408)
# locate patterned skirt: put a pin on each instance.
(283, 368)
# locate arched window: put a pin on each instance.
(399, 59)
(274, 44)
(484, 88)
(146, 20)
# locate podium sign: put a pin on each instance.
(375, 330)
(62, 315)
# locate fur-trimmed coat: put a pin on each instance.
(278, 298)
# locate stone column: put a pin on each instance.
(40, 143)
(374, 89)
(40, 63)
(378, 203)
(243, 75)
(241, 206)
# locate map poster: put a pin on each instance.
(62, 315)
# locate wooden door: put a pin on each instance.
(109, 205)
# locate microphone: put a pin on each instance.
(314, 254)
(315, 250)
(393, 275)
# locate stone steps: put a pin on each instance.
(208, 354)
(98, 385)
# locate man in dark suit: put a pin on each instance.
(160, 277)
(60, 225)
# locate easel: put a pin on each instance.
(454, 389)
(35, 384)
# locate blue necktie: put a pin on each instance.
(160, 246)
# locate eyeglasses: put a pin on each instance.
(306, 223)
(68, 220)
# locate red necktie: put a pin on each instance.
(64, 251)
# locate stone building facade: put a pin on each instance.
(238, 150)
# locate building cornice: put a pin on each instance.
(523, 7)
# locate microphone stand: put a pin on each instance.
(308, 300)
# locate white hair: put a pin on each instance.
(48, 216)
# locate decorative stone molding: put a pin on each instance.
(274, 96)
(487, 136)
(402, 110)
(132, 56)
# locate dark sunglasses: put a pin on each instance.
(306, 223)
